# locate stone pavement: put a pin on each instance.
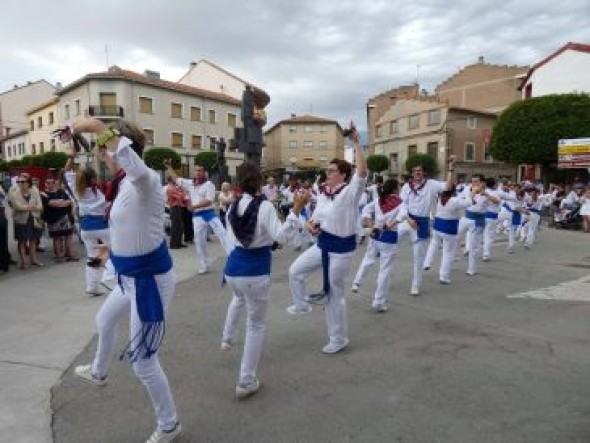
(467, 362)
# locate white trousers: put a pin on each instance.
(121, 303)
(367, 263)
(253, 294)
(200, 227)
(387, 253)
(489, 234)
(419, 247)
(449, 246)
(335, 307)
(474, 245)
(532, 227)
(90, 239)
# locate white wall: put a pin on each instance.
(566, 73)
(205, 76)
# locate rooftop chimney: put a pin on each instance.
(154, 75)
(58, 86)
(293, 115)
(480, 59)
(192, 64)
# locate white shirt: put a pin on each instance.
(501, 194)
(420, 202)
(268, 226)
(453, 209)
(89, 203)
(381, 219)
(198, 193)
(571, 199)
(137, 216)
(339, 216)
(288, 194)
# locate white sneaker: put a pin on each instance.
(243, 391)
(444, 281)
(415, 291)
(202, 271)
(511, 250)
(226, 345)
(165, 436)
(294, 310)
(527, 246)
(471, 274)
(485, 258)
(380, 309)
(85, 373)
(331, 348)
(466, 252)
(94, 292)
(355, 288)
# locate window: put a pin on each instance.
(413, 121)
(146, 105)
(472, 122)
(39, 122)
(308, 144)
(41, 148)
(528, 91)
(197, 142)
(52, 145)
(51, 118)
(394, 127)
(412, 150)
(212, 118)
(176, 110)
(487, 154)
(324, 160)
(149, 136)
(292, 129)
(379, 131)
(308, 129)
(323, 145)
(212, 143)
(177, 140)
(32, 125)
(432, 149)
(323, 129)
(469, 152)
(393, 163)
(231, 120)
(195, 114)
(434, 117)
(77, 106)
(67, 111)
(293, 144)
(33, 149)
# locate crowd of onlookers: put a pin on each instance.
(38, 213)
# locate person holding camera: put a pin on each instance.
(334, 222)
(202, 196)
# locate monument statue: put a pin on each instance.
(220, 169)
(249, 139)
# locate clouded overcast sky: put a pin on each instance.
(323, 56)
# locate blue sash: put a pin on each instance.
(304, 214)
(516, 216)
(423, 226)
(150, 310)
(492, 215)
(248, 262)
(207, 214)
(536, 211)
(93, 223)
(389, 237)
(446, 226)
(507, 207)
(332, 243)
(478, 217)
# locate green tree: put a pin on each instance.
(155, 157)
(528, 131)
(427, 161)
(208, 159)
(377, 163)
(53, 160)
(28, 160)
(3, 166)
(13, 164)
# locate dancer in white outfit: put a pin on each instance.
(202, 195)
(515, 204)
(94, 227)
(419, 194)
(335, 222)
(534, 205)
(492, 214)
(388, 209)
(146, 286)
(253, 226)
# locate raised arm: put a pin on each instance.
(361, 162)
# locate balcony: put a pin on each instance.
(106, 111)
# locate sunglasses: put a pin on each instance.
(21, 181)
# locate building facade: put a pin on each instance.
(564, 71)
(483, 86)
(429, 126)
(14, 145)
(43, 120)
(302, 143)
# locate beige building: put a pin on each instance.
(302, 142)
(14, 145)
(174, 115)
(427, 125)
(42, 121)
(483, 86)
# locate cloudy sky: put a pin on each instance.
(325, 57)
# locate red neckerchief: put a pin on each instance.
(112, 190)
(389, 203)
(199, 181)
(293, 188)
(331, 193)
(419, 187)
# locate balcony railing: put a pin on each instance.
(106, 111)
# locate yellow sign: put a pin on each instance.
(573, 153)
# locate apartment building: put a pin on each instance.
(14, 105)
(171, 114)
(14, 145)
(561, 72)
(42, 121)
(302, 142)
(483, 86)
(428, 125)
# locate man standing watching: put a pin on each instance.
(175, 199)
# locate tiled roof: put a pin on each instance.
(14, 135)
(116, 73)
(305, 119)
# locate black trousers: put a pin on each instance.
(187, 218)
(4, 254)
(176, 226)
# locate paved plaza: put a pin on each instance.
(498, 358)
